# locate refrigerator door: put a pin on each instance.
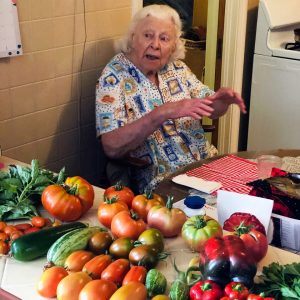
(274, 120)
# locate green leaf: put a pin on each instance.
(34, 169)
(24, 174)
(61, 176)
(288, 292)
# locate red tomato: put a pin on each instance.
(120, 192)
(2, 225)
(124, 224)
(70, 202)
(70, 286)
(4, 247)
(49, 281)
(97, 265)
(132, 290)
(166, 219)
(99, 289)
(108, 209)
(116, 271)
(23, 226)
(38, 221)
(4, 236)
(16, 234)
(9, 229)
(77, 259)
(141, 204)
(256, 243)
(136, 274)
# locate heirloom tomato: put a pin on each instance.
(127, 224)
(198, 229)
(141, 204)
(49, 281)
(99, 289)
(166, 219)
(116, 271)
(108, 209)
(120, 192)
(100, 242)
(132, 290)
(70, 201)
(121, 247)
(152, 237)
(70, 286)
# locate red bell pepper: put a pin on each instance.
(236, 291)
(206, 290)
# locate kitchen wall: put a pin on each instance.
(47, 94)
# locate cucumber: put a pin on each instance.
(68, 243)
(36, 244)
(156, 283)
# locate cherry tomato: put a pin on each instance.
(49, 281)
(38, 221)
(9, 229)
(2, 225)
(31, 229)
(16, 234)
(70, 286)
(99, 289)
(4, 247)
(100, 242)
(77, 259)
(120, 193)
(4, 237)
(23, 226)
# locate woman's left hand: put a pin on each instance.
(224, 97)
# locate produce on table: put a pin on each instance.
(120, 192)
(97, 265)
(206, 290)
(225, 259)
(136, 274)
(99, 289)
(127, 224)
(132, 290)
(70, 286)
(239, 220)
(152, 237)
(121, 247)
(141, 204)
(37, 244)
(280, 281)
(198, 229)
(166, 219)
(156, 283)
(160, 297)
(261, 297)
(21, 188)
(100, 242)
(77, 259)
(49, 281)
(68, 243)
(116, 271)
(145, 255)
(236, 290)
(70, 201)
(108, 209)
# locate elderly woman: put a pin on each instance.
(149, 103)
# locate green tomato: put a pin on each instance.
(198, 229)
(152, 237)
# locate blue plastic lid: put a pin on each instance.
(194, 202)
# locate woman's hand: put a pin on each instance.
(222, 99)
(195, 108)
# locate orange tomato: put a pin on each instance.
(9, 229)
(4, 236)
(49, 281)
(2, 225)
(77, 259)
(120, 192)
(141, 204)
(108, 209)
(97, 265)
(132, 290)
(4, 247)
(16, 234)
(116, 271)
(125, 224)
(38, 221)
(70, 286)
(136, 274)
(99, 289)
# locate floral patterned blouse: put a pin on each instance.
(124, 94)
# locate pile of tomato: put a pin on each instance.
(8, 232)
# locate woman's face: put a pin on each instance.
(152, 44)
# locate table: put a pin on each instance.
(167, 187)
(20, 278)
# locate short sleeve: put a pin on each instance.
(110, 108)
(196, 87)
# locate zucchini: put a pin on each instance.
(68, 243)
(36, 244)
(156, 283)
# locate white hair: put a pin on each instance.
(162, 12)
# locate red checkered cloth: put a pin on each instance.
(232, 171)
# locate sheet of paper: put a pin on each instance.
(229, 203)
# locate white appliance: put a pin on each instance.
(274, 120)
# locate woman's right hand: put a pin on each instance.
(195, 108)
